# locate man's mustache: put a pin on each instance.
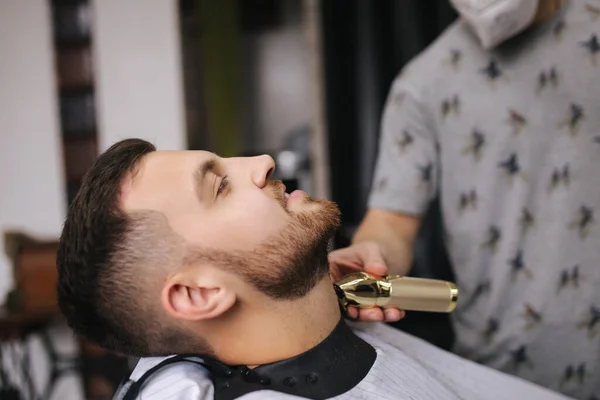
(276, 187)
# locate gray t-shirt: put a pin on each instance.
(510, 139)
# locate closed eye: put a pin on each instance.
(223, 186)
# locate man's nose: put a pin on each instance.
(262, 169)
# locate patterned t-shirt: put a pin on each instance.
(510, 139)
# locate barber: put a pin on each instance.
(500, 117)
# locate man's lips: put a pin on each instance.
(296, 194)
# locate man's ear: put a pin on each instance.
(198, 299)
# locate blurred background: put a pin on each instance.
(302, 80)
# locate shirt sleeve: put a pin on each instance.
(407, 168)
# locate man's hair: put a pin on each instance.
(106, 259)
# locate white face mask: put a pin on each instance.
(494, 21)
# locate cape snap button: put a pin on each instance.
(312, 379)
(289, 381)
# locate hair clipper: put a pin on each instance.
(364, 290)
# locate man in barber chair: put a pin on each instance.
(204, 267)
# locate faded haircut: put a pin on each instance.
(108, 260)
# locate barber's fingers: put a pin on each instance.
(352, 312)
(371, 314)
(378, 314)
(393, 314)
(366, 256)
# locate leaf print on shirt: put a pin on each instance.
(532, 317)
(520, 358)
(527, 220)
(425, 172)
(547, 78)
(454, 59)
(574, 374)
(492, 72)
(493, 238)
(451, 105)
(516, 120)
(593, 10)
(467, 200)
(511, 167)
(581, 373)
(590, 323)
(573, 119)
(569, 278)
(475, 145)
(490, 330)
(568, 375)
(583, 221)
(406, 141)
(518, 267)
(593, 47)
(481, 289)
(560, 177)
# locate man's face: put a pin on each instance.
(230, 211)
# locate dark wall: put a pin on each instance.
(366, 43)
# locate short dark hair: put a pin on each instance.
(100, 253)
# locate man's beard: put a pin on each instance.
(291, 264)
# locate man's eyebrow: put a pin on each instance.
(200, 174)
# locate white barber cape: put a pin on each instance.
(405, 368)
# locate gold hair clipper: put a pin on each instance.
(364, 290)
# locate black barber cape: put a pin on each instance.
(373, 361)
(333, 367)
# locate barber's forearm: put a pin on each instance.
(396, 245)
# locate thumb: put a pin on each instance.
(374, 262)
(347, 257)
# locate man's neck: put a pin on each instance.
(264, 333)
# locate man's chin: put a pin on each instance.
(319, 209)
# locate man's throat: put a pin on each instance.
(276, 330)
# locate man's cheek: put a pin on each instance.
(254, 224)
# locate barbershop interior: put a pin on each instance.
(419, 164)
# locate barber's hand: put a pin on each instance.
(368, 257)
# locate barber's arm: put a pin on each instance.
(394, 234)
(405, 182)
(382, 245)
